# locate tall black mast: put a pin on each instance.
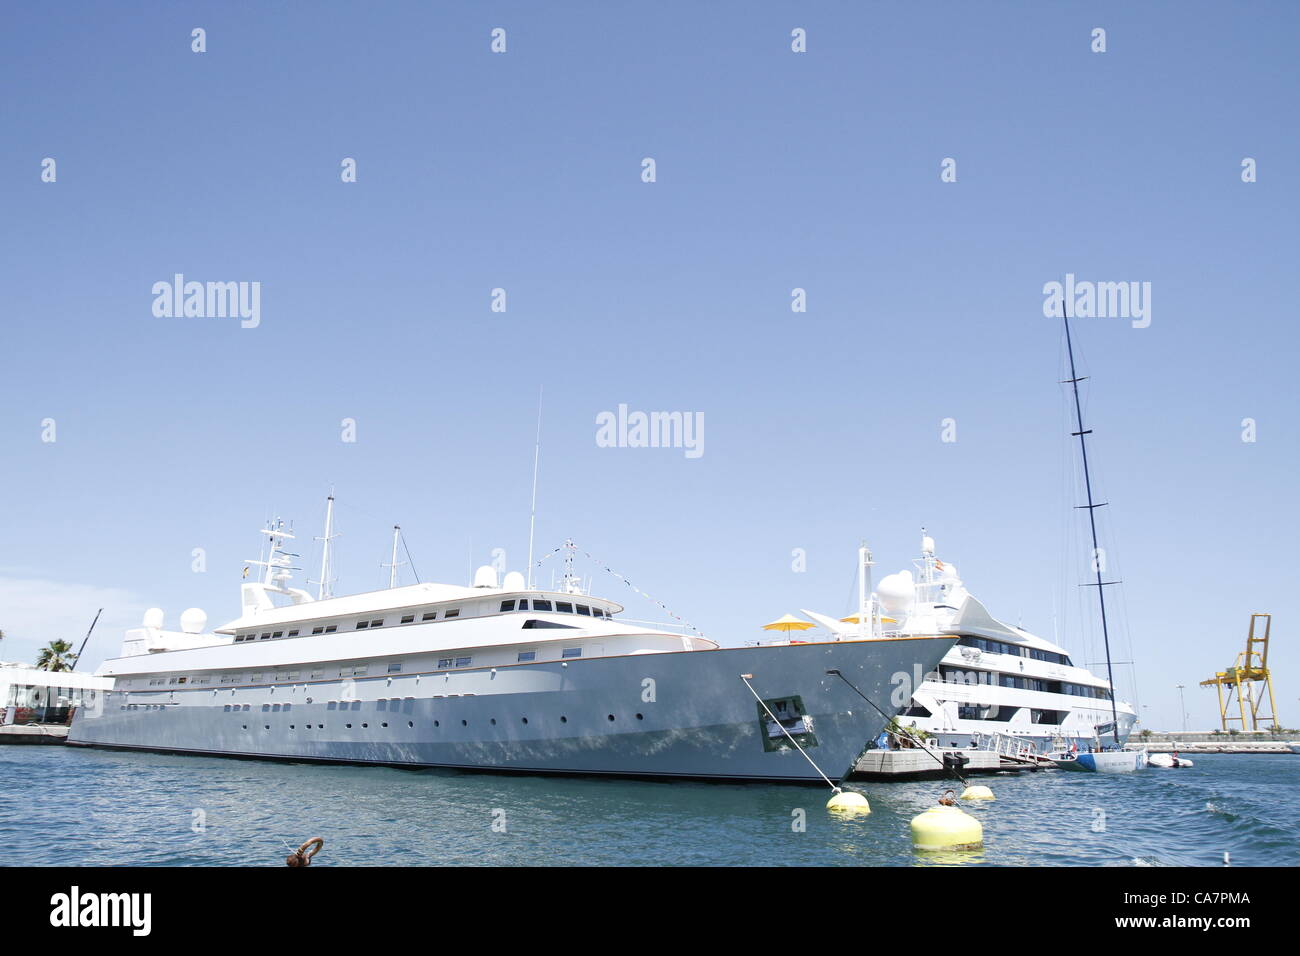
(1092, 507)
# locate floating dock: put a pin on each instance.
(33, 733)
(926, 764)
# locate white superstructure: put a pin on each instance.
(996, 680)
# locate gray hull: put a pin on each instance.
(683, 714)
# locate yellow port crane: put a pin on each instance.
(1243, 680)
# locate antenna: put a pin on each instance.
(325, 561)
(532, 520)
(1091, 507)
(392, 573)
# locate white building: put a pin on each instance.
(28, 694)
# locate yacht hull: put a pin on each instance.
(684, 714)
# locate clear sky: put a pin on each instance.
(775, 170)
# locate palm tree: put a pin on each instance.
(56, 656)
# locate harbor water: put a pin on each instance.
(73, 806)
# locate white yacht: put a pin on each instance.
(996, 680)
(499, 675)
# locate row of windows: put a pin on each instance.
(268, 635)
(347, 670)
(560, 607)
(1015, 650)
(410, 723)
(1003, 714)
(957, 675)
(522, 604)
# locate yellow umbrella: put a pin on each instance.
(853, 619)
(788, 623)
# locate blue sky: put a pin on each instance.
(775, 171)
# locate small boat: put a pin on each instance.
(1102, 761)
(1168, 761)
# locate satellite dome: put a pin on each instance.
(927, 545)
(514, 582)
(154, 617)
(194, 620)
(485, 577)
(896, 591)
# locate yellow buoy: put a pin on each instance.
(946, 828)
(977, 793)
(848, 801)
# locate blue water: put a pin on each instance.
(65, 805)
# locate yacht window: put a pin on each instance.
(583, 609)
(278, 634)
(316, 675)
(430, 616)
(408, 618)
(394, 667)
(571, 652)
(527, 656)
(564, 607)
(362, 624)
(331, 629)
(454, 612)
(541, 605)
(318, 630)
(444, 662)
(265, 636)
(379, 623)
(507, 605)
(523, 604)
(293, 633)
(533, 622)
(463, 661)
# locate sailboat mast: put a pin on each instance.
(532, 518)
(1092, 507)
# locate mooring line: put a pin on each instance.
(900, 731)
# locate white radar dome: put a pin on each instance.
(154, 617)
(514, 582)
(896, 591)
(485, 577)
(927, 545)
(194, 620)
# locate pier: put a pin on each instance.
(33, 733)
(926, 764)
(1209, 742)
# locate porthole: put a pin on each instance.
(525, 720)
(464, 723)
(348, 726)
(384, 724)
(611, 716)
(494, 721)
(245, 726)
(267, 726)
(564, 720)
(640, 717)
(435, 723)
(410, 723)
(365, 726)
